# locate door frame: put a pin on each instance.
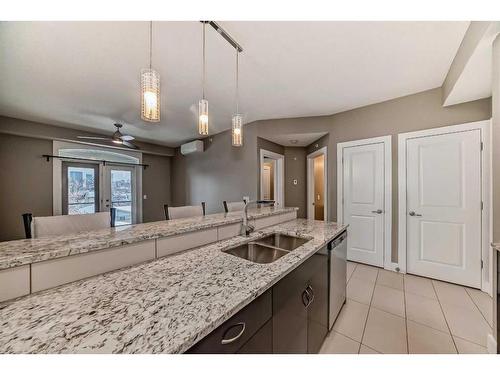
(279, 175)
(106, 177)
(310, 182)
(486, 191)
(387, 141)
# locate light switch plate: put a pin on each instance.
(145, 196)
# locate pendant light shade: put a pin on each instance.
(150, 87)
(237, 120)
(237, 130)
(203, 104)
(150, 95)
(203, 117)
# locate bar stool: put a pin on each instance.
(234, 206)
(44, 226)
(183, 211)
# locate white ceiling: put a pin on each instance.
(86, 74)
(295, 140)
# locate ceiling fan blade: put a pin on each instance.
(84, 137)
(127, 137)
(129, 145)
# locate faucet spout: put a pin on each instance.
(246, 228)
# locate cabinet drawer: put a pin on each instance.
(228, 231)
(253, 317)
(174, 244)
(51, 273)
(14, 282)
(261, 342)
(273, 220)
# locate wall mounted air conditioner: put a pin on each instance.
(191, 147)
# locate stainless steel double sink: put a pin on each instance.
(267, 249)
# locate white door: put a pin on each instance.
(444, 207)
(119, 191)
(363, 194)
(266, 182)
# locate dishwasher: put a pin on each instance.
(337, 270)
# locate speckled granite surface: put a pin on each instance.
(19, 252)
(164, 306)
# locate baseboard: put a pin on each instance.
(491, 344)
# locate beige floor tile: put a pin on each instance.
(366, 350)
(335, 343)
(426, 340)
(366, 273)
(419, 285)
(484, 302)
(425, 311)
(452, 294)
(390, 279)
(466, 323)
(351, 320)
(385, 332)
(360, 290)
(389, 300)
(350, 269)
(467, 347)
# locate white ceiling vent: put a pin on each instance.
(191, 147)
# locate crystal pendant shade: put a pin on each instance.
(150, 95)
(203, 117)
(237, 130)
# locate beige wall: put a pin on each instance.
(156, 185)
(223, 172)
(295, 169)
(410, 113)
(26, 183)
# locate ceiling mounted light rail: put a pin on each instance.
(237, 118)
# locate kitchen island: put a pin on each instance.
(163, 306)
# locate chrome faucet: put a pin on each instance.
(246, 228)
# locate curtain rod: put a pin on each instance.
(104, 162)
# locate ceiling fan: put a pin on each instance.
(117, 137)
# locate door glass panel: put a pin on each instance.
(121, 196)
(81, 190)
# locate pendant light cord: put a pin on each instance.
(237, 80)
(150, 44)
(204, 71)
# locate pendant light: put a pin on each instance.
(150, 87)
(203, 104)
(237, 120)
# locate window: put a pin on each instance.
(122, 195)
(80, 188)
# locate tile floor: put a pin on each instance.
(387, 312)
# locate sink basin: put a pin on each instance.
(257, 253)
(282, 241)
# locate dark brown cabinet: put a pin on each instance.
(233, 334)
(291, 317)
(300, 307)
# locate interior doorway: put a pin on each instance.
(317, 185)
(272, 176)
(364, 195)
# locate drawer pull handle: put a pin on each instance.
(233, 339)
(305, 298)
(310, 295)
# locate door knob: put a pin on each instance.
(379, 211)
(413, 213)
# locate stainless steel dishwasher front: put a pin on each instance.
(337, 269)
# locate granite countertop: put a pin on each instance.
(164, 306)
(20, 252)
